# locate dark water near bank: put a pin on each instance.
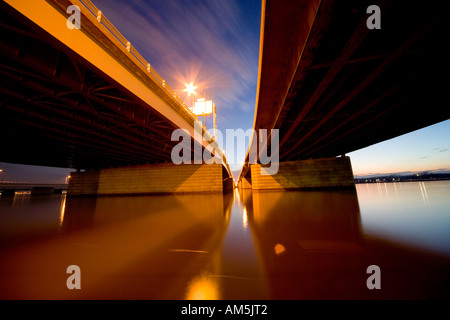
(242, 245)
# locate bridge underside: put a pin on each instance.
(59, 110)
(324, 173)
(332, 86)
(59, 107)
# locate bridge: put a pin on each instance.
(10, 188)
(332, 85)
(86, 99)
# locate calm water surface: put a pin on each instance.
(241, 245)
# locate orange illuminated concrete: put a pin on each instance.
(148, 179)
(305, 174)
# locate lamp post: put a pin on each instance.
(213, 111)
(215, 121)
(202, 106)
(3, 174)
(205, 105)
(190, 89)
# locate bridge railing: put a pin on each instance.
(133, 52)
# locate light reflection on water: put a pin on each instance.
(242, 245)
(412, 213)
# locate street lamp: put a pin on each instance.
(3, 174)
(203, 106)
(190, 89)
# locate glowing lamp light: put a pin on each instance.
(203, 107)
(279, 248)
(190, 88)
(203, 287)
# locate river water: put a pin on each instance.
(241, 245)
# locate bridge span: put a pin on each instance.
(10, 188)
(331, 84)
(86, 99)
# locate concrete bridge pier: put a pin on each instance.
(150, 179)
(245, 183)
(325, 173)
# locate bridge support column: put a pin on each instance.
(306, 174)
(244, 184)
(149, 179)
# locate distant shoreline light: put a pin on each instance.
(402, 173)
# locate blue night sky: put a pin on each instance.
(215, 44)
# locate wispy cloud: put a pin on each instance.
(441, 149)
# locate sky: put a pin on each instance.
(215, 45)
(427, 149)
